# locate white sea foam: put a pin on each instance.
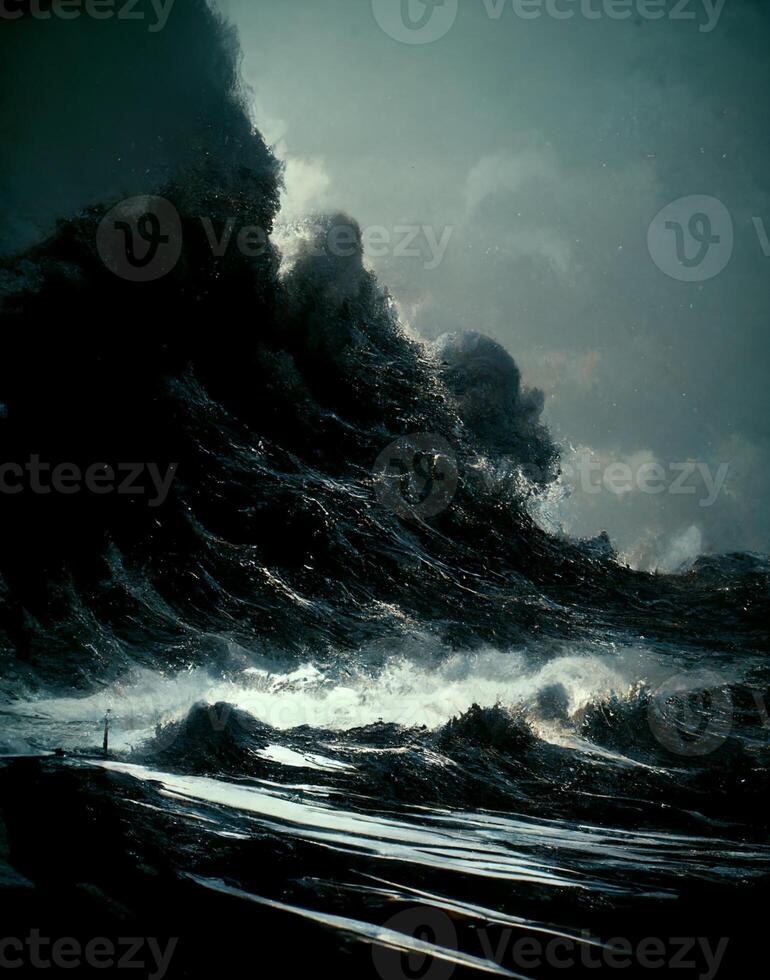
(405, 690)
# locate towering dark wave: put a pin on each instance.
(273, 608)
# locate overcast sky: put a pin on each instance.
(548, 147)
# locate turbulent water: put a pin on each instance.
(365, 714)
